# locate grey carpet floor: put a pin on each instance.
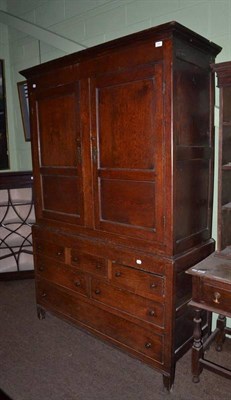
(52, 360)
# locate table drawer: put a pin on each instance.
(116, 329)
(60, 274)
(89, 263)
(215, 296)
(139, 282)
(133, 304)
(50, 249)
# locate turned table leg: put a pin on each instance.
(220, 338)
(197, 348)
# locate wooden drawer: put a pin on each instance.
(139, 282)
(133, 304)
(50, 249)
(215, 295)
(111, 327)
(60, 274)
(89, 263)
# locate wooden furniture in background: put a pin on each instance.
(212, 277)
(118, 132)
(211, 292)
(16, 218)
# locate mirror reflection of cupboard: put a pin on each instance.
(223, 71)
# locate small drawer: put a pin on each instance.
(215, 296)
(139, 282)
(61, 275)
(89, 263)
(50, 249)
(140, 261)
(133, 304)
(131, 337)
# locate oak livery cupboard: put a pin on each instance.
(122, 142)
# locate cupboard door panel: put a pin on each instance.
(123, 120)
(120, 200)
(58, 130)
(58, 191)
(59, 127)
(127, 148)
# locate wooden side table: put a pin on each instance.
(211, 280)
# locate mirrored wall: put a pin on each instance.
(4, 158)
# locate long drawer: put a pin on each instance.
(112, 327)
(60, 274)
(140, 282)
(123, 300)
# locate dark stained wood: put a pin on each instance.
(211, 292)
(118, 132)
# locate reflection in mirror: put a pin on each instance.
(4, 160)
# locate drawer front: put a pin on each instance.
(122, 300)
(58, 273)
(140, 282)
(50, 249)
(215, 296)
(122, 332)
(89, 263)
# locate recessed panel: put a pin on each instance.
(61, 194)
(58, 128)
(192, 193)
(192, 104)
(125, 126)
(129, 203)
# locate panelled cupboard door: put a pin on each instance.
(127, 151)
(59, 157)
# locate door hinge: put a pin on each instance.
(94, 154)
(79, 155)
(163, 87)
(164, 221)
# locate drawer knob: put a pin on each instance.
(44, 294)
(97, 291)
(117, 274)
(153, 285)
(98, 266)
(75, 259)
(41, 268)
(152, 313)
(148, 345)
(77, 283)
(217, 296)
(59, 253)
